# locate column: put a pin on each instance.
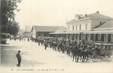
(76, 36)
(83, 36)
(89, 37)
(99, 37)
(112, 38)
(94, 37)
(72, 36)
(102, 37)
(68, 36)
(79, 36)
(109, 38)
(106, 39)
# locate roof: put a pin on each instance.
(108, 26)
(96, 17)
(72, 21)
(47, 28)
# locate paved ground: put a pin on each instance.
(36, 59)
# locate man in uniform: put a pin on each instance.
(18, 56)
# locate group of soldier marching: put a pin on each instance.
(79, 50)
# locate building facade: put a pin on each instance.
(43, 31)
(95, 27)
(88, 22)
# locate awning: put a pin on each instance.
(83, 32)
(66, 32)
(98, 32)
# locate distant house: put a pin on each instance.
(27, 32)
(27, 35)
(43, 31)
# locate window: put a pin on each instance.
(80, 27)
(76, 27)
(86, 27)
(73, 27)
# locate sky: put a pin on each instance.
(58, 12)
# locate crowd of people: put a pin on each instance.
(79, 50)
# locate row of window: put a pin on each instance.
(79, 27)
(108, 38)
(102, 37)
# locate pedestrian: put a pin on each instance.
(18, 56)
(45, 44)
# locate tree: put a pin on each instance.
(13, 28)
(8, 24)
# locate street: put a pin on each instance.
(36, 58)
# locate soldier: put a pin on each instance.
(45, 44)
(18, 56)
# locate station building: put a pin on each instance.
(95, 27)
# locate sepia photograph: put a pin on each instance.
(56, 36)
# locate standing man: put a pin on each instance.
(18, 56)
